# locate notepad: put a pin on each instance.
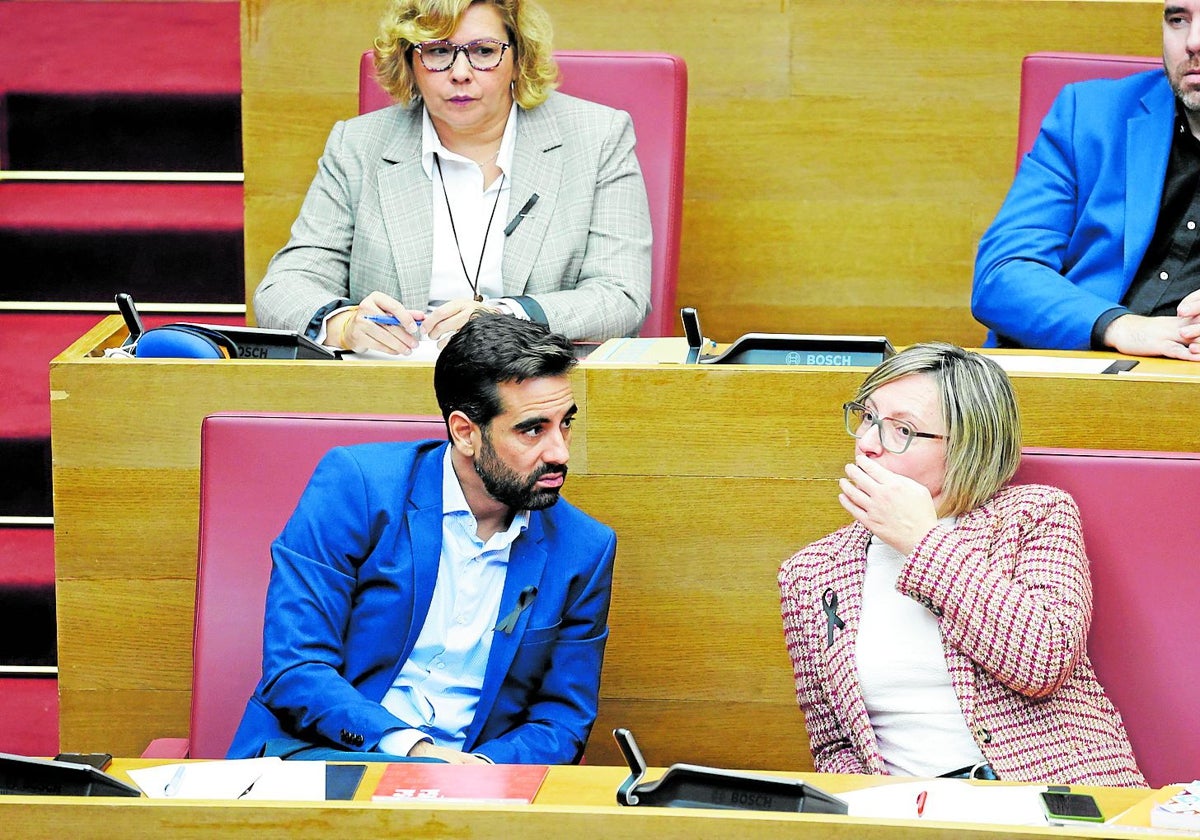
(428, 782)
(427, 350)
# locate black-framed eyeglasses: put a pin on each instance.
(895, 435)
(483, 54)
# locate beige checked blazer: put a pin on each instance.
(1010, 586)
(583, 252)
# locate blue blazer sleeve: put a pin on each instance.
(1071, 234)
(348, 584)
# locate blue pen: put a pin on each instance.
(393, 321)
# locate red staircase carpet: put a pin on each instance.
(97, 87)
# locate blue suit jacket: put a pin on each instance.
(351, 582)
(1072, 232)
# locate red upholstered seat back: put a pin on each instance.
(1044, 74)
(652, 88)
(1141, 531)
(253, 468)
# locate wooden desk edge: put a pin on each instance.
(588, 786)
(111, 332)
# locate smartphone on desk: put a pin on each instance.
(1070, 806)
(98, 760)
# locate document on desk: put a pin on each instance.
(426, 351)
(950, 800)
(1024, 363)
(647, 351)
(250, 778)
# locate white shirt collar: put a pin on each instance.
(454, 502)
(431, 143)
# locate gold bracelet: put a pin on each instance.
(349, 322)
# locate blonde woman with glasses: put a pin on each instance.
(482, 188)
(943, 632)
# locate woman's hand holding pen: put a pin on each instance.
(379, 322)
(893, 507)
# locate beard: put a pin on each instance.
(509, 487)
(1189, 98)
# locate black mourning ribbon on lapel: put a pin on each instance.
(524, 602)
(832, 620)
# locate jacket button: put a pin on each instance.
(983, 735)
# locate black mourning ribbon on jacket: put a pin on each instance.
(829, 605)
(524, 602)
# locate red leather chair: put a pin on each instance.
(1141, 535)
(1044, 74)
(252, 470)
(652, 88)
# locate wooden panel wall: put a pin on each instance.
(842, 160)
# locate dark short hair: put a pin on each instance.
(488, 350)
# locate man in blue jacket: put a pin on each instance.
(439, 601)
(1096, 246)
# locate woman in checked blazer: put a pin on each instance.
(943, 632)
(483, 188)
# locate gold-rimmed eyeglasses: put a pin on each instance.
(895, 435)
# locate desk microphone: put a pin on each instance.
(695, 336)
(133, 321)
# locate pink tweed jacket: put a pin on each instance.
(1010, 586)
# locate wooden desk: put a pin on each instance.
(573, 802)
(710, 476)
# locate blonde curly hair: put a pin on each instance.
(410, 22)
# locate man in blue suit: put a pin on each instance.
(439, 601)
(1096, 246)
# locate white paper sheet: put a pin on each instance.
(1049, 364)
(294, 781)
(251, 778)
(950, 800)
(425, 351)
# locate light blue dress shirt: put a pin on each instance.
(438, 688)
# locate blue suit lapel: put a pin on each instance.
(526, 562)
(406, 204)
(1147, 148)
(424, 515)
(537, 168)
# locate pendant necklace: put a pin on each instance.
(473, 283)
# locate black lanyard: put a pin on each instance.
(473, 283)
